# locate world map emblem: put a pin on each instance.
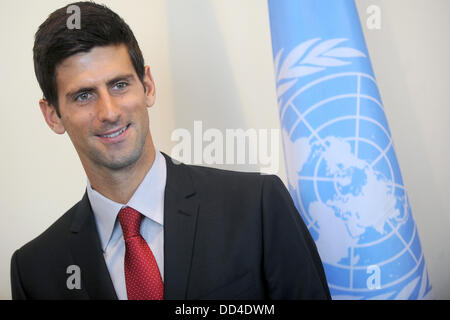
(343, 173)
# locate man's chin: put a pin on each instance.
(118, 163)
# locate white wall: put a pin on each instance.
(410, 55)
(212, 61)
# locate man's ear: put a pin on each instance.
(149, 85)
(51, 117)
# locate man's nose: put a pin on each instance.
(107, 108)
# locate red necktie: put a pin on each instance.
(142, 275)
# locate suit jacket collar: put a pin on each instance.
(88, 255)
(181, 207)
(180, 217)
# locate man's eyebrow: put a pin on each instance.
(73, 94)
(126, 77)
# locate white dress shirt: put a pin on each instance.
(149, 201)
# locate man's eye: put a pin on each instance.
(120, 85)
(83, 97)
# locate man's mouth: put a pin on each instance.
(115, 133)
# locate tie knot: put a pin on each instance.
(130, 221)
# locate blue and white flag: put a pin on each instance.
(341, 165)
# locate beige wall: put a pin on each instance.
(212, 61)
(410, 55)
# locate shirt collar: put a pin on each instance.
(148, 199)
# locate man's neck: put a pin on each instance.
(119, 186)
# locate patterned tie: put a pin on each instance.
(142, 275)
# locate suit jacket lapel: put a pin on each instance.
(88, 255)
(180, 217)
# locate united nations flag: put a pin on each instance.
(341, 165)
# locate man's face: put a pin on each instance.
(103, 107)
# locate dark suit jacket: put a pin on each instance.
(227, 235)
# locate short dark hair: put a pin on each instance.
(54, 42)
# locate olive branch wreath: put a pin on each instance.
(310, 57)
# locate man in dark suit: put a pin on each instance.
(148, 227)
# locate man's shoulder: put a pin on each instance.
(208, 178)
(205, 178)
(212, 172)
(209, 175)
(54, 237)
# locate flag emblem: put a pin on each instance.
(343, 173)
